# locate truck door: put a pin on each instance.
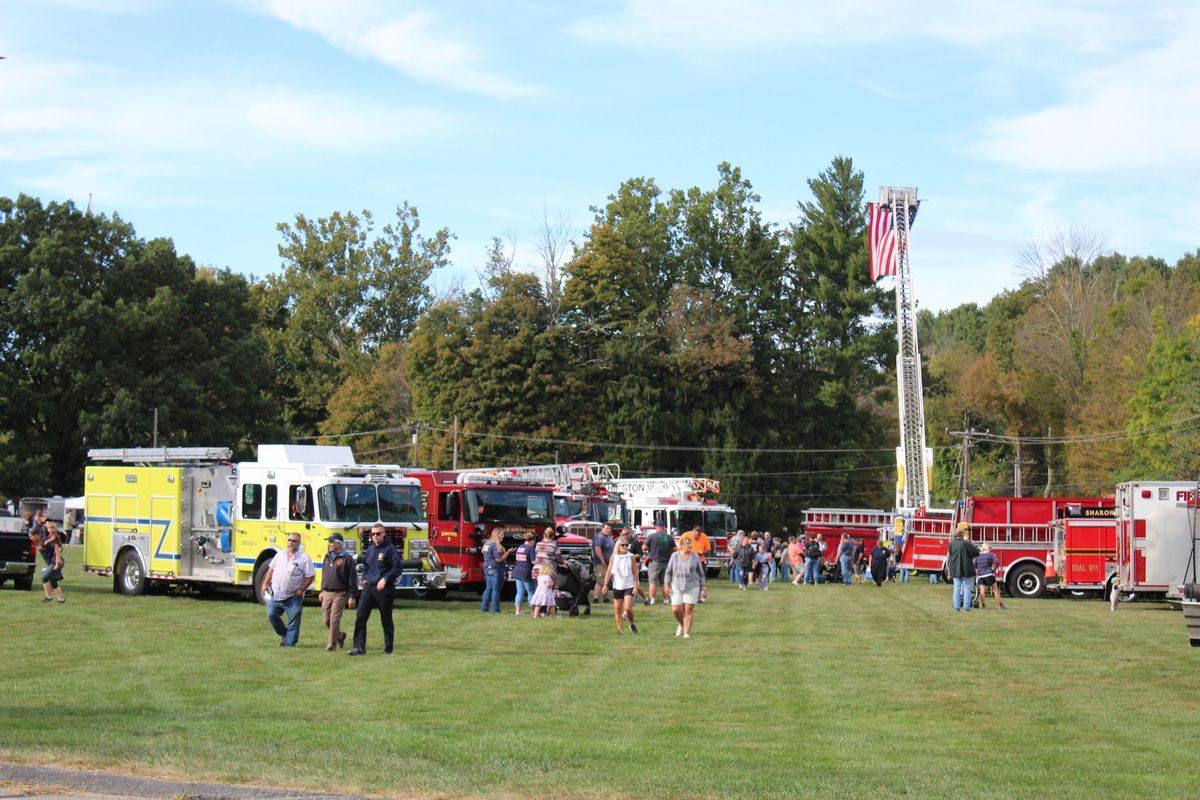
(448, 534)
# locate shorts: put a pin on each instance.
(990, 580)
(620, 594)
(679, 598)
(655, 569)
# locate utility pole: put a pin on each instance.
(154, 441)
(964, 479)
(1017, 469)
(1049, 462)
(454, 460)
(416, 440)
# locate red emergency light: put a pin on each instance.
(1146, 493)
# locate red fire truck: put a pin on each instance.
(583, 497)
(1085, 551)
(1156, 521)
(1019, 530)
(836, 523)
(465, 507)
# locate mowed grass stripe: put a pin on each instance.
(829, 690)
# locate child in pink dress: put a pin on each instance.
(543, 601)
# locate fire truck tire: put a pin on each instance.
(1027, 581)
(260, 580)
(130, 577)
(425, 593)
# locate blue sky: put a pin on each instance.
(211, 122)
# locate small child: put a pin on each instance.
(543, 601)
(763, 557)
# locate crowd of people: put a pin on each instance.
(760, 559)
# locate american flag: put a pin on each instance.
(883, 241)
(883, 238)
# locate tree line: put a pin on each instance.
(682, 334)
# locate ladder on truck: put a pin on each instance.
(162, 455)
(913, 458)
(572, 477)
(673, 487)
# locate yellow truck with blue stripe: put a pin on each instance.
(190, 517)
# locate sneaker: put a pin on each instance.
(687, 636)
(354, 651)
(633, 629)
(703, 599)
(651, 601)
(46, 600)
(620, 630)
(679, 630)
(63, 600)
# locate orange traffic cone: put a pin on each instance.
(1050, 572)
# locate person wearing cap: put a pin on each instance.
(382, 566)
(659, 546)
(985, 574)
(289, 576)
(960, 564)
(338, 581)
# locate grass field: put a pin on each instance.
(822, 691)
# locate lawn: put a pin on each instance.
(823, 691)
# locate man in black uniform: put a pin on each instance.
(382, 567)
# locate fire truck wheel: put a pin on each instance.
(425, 593)
(131, 578)
(260, 580)
(1027, 581)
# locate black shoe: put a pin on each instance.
(633, 628)
(354, 651)
(283, 644)
(387, 652)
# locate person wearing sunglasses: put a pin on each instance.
(382, 568)
(289, 576)
(621, 575)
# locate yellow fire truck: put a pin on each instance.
(188, 516)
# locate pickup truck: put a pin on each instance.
(18, 560)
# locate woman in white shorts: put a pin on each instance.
(683, 581)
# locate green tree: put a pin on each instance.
(98, 329)
(343, 292)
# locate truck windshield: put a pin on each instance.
(400, 503)
(360, 502)
(606, 511)
(511, 506)
(568, 507)
(716, 523)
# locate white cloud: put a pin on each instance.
(67, 128)
(414, 43)
(703, 27)
(332, 123)
(1135, 112)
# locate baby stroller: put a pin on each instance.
(573, 586)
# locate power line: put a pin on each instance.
(582, 443)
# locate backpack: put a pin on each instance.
(812, 549)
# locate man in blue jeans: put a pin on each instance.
(846, 558)
(960, 564)
(289, 575)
